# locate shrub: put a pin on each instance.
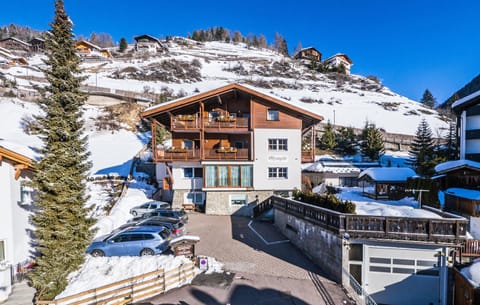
(327, 201)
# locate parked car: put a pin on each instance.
(174, 214)
(148, 207)
(138, 240)
(176, 227)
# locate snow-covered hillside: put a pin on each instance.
(190, 67)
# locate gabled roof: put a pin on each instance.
(93, 46)
(339, 55)
(463, 193)
(185, 101)
(307, 48)
(466, 101)
(17, 40)
(388, 174)
(449, 166)
(36, 39)
(15, 157)
(149, 37)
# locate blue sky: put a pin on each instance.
(410, 45)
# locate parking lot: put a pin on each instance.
(263, 268)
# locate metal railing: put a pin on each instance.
(359, 294)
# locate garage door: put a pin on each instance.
(402, 275)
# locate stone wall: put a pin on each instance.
(218, 203)
(324, 248)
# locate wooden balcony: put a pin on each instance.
(221, 123)
(471, 248)
(307, 156)
(228, 153)
(185, 122)
(177, 154)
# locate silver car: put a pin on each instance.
(149, 207)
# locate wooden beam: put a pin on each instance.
(18, 170)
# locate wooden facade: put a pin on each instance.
(310, 53)
(37, 44)
(15, 45)
(85, 48)
(148, 43)
(219, 126)
(385, 187)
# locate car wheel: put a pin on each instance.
(97, 253)
(146, 252)
(134, 213)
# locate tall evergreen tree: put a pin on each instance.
(372, 145)
(347, 141)
(450, 150)
(123, 45)
(428, 99)
(422, 150)
(62, 225)
(327, 141)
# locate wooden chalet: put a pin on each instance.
(88, 49)
(388, 182)
(7, 57)
(37, 44)
(465, 292)
(231, 142)
(148, 44)
(15, 45)
(338, 60)
(310, 54)
(460, 181)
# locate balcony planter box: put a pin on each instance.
(177, 150)
(226, 150)
(186, 118)
(225, 119)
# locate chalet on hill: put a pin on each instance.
(231, 147)
(148, 44)
(88, 49)
(310, 54)
(388, 182)
(15, 45)
(37, 44)
(338, 60)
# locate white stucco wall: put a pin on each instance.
(265, 159)
(184, 183)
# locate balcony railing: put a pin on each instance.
(179, 154)
(307, 156)
(185, 121)
(452, 230)
(228, 153)
(225, 123)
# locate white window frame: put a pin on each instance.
(278, 173)
(278, 144)
(273, 115)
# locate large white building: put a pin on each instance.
(15, 228)
(467, 110)
(231, 147)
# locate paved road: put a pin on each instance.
(264, 269)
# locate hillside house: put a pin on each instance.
(467, 111)
(7, 57)
(386, 182)
(15, 46)
(15, 171)
(337, 60)
(90, 50)
(37, 44)
(309, 54)
(148, 44)
(231, 146)
(332, 172)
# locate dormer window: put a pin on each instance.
(273, 115)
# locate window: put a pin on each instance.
(196, 197)
(26, 193)
(228, 176)
(238, 199)
(273, 115)
(192, 172)
(278, 144)
(278, 172)
(2, 250)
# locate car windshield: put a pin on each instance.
(164, 234)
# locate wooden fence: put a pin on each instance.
(130, 290)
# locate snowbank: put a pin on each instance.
(472, 273)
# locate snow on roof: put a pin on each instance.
(466, 99)
(472, 273)
(391, 174)
(337, 167)
(456, 164)
(464, 193)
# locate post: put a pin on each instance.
(420, 191)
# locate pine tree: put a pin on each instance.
(450, 151)
(347, 141)
(327, 141)
(428, 99)
(372, 145)
(123, 45)
(422, 153)
(62, 225)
